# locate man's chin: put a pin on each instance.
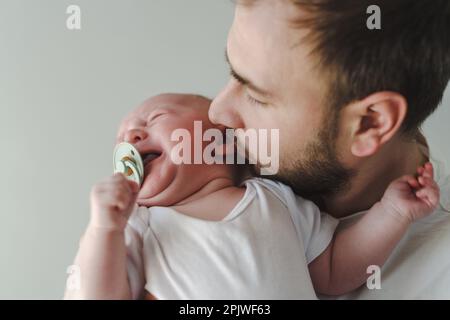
(309, 179)
(319, 182)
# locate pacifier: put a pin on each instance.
(127, 160)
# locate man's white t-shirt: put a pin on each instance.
(419, 268)
(261, 250)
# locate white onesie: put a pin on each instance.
(261, 250)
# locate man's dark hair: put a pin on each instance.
(409, 55)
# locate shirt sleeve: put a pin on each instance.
(134, 234)
(314, 227)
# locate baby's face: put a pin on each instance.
(149, 129)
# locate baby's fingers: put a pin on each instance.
(420, 170)
(429, 195)
(410, 180)
(426, 182)
(413, 183)
(428, 171)
(134, 187)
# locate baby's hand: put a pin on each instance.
(410, 198)
(112, 202)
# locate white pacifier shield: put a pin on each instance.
(127, 157)
(123, 166)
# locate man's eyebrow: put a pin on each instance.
(242, 80)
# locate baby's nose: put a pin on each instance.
(135, 135)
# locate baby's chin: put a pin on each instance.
(156, 201)
(156, 189)
(150, 201)
(150, 193)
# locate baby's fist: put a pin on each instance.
(413, 198)
(112, 201)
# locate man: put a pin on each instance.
(348, 102)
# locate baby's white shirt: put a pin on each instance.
(261, 250)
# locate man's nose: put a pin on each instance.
(135, 135)
(223, 109)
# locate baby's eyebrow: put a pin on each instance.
(167, 107)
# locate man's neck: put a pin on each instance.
(373, 177)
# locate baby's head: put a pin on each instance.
(149, 128)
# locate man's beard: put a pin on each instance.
(316, 172)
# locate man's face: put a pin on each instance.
(275, 86)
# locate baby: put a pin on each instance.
(190, 232)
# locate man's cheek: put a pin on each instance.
(246, 148)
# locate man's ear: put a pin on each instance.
(375, 120)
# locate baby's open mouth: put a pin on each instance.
(149, 157)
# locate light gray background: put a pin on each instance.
(62, 95)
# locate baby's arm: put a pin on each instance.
(342, 267)
(101, 257)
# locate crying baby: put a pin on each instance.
(194, 231)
